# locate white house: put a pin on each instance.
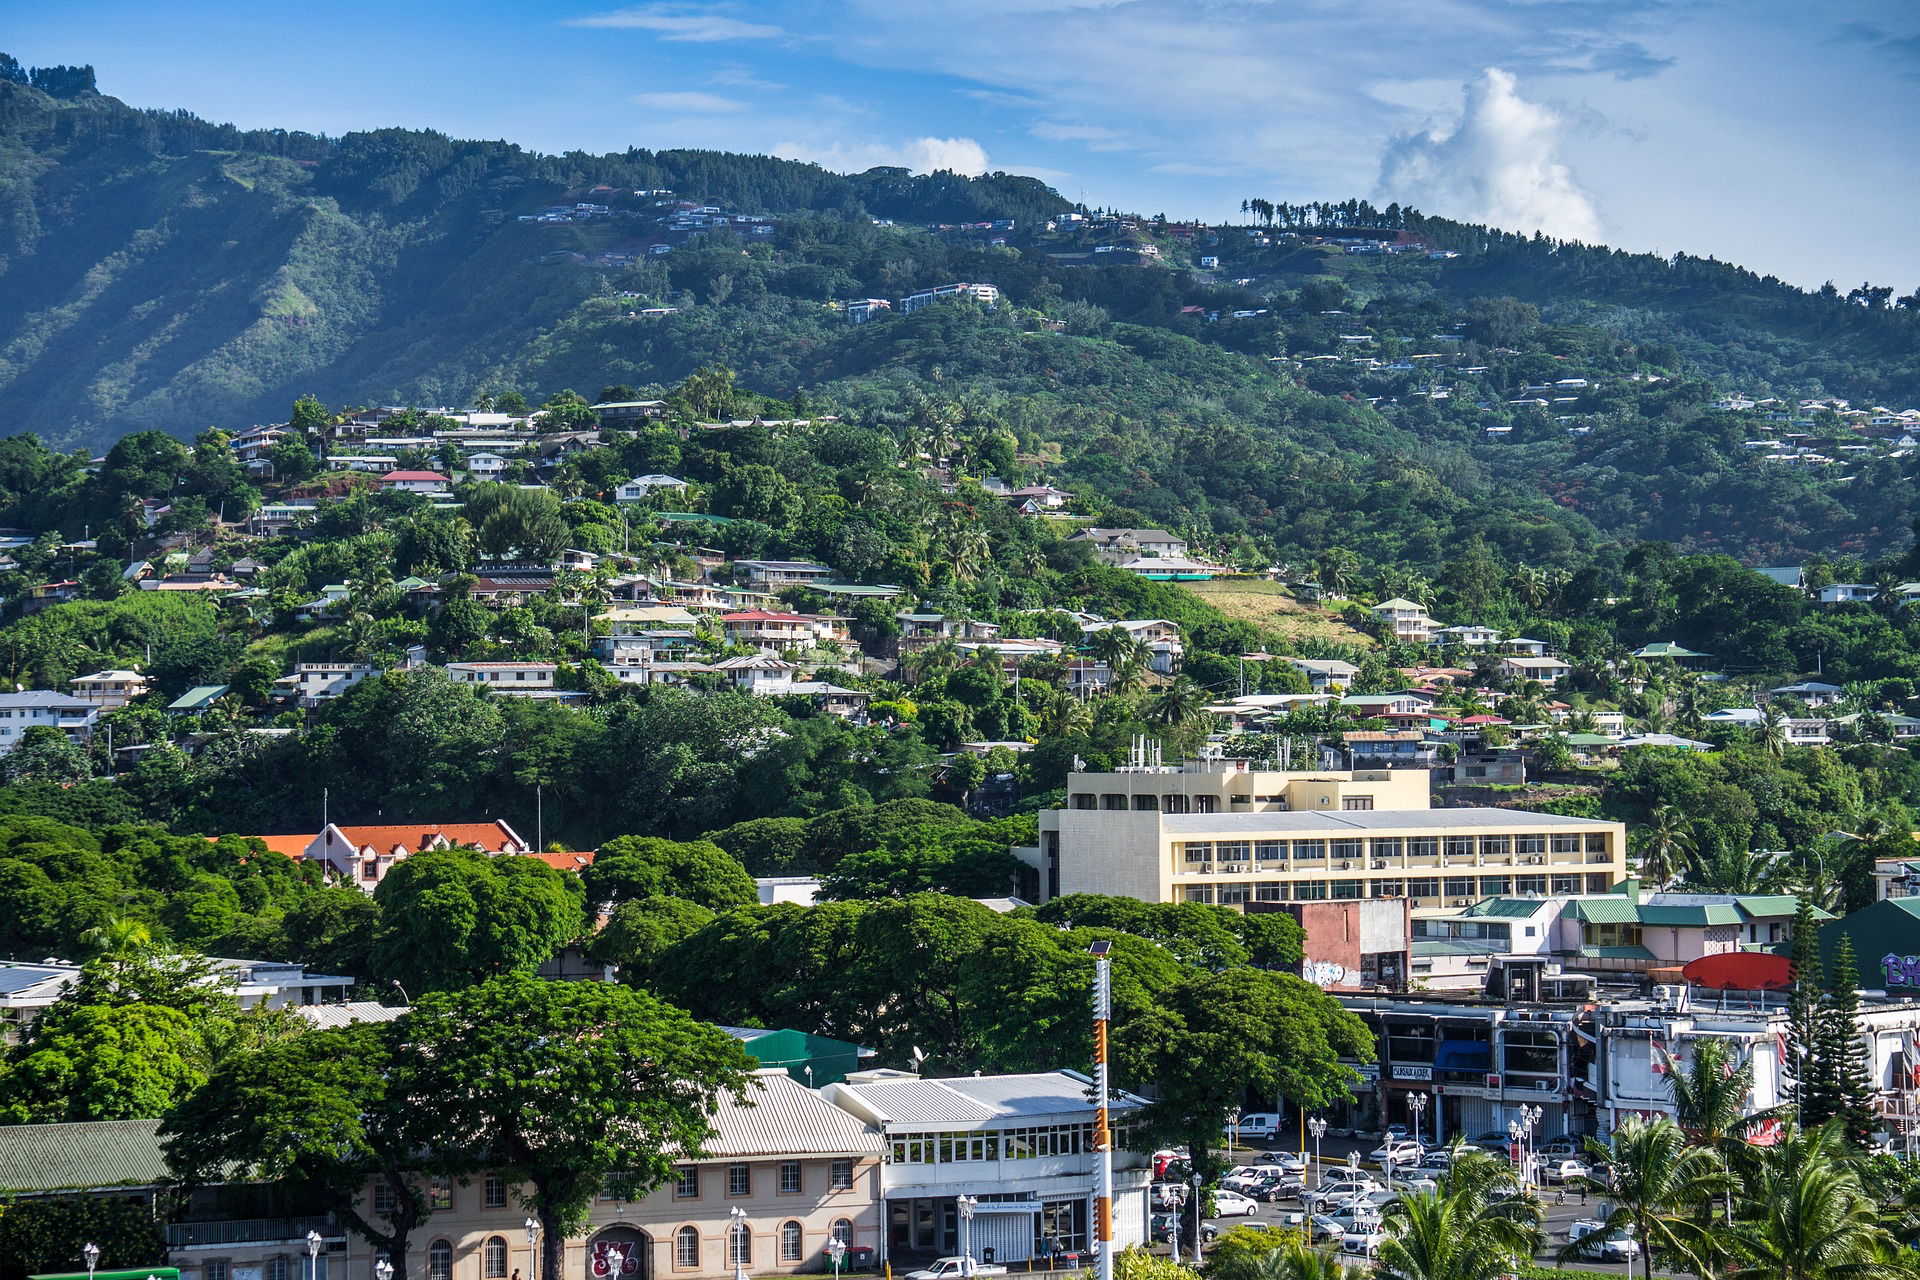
(1473, 637)
(486, 466)
(761, 673)
(1847, 593)
(20, 712)
(316, 682)
(1407, 620)
(638, 488)
(106, 689)
(1811, 692)
(506, 677)
(415, 481)
(1548, 671)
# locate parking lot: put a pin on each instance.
(1563, 1208)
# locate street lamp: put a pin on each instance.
(91, 1252)
(1317, 1126)
(533, 1247)
(382, 1269)
(1530, 1117)
(836, 1250)
(313, 1255)
(966, 1205)
(1197, 1198)
(739, 1217)
(1419, 1104)
(1233, 1119)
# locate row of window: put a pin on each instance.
(790, 1246)
(1003, 1144)
(790, 1176)
(1242, 892)
(1195, 852)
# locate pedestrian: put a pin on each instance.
(1583, 1193)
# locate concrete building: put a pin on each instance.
(1018, 1144)
(20, 712)
(1222, 832)
(107, 689)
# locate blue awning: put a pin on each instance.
(1463, 1055)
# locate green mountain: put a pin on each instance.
(157, 271)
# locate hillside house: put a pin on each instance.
(1406, 621)
(625, 415)
(640, 488)
(761, 673)
(415, 481)
(1811, 692)
(1323, 673)
(313, 683)
(20, 712)
(1470, 636)
(486, 466)
(781, 573)
(1118, 546)
(1847, 593)
(107, 689)
(772, 632)
(1547, 671)
(514, 679)
(1044, 496)
(1160, 638)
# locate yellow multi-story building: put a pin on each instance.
(1220, 831)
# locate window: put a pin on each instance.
(1389, 888)
(1347, 889)
(1081, 800)
(1270, 850)
(1423, 888)
(1356, 802)
(739, 1179)
(1596, 842)
(789, 1177)
(383, 1198)
(1234, 895)
(843, 1230)
(1530, 844)
(1423, 847)
(496, 1192)
(1201, 894)
(1530, 884)
(1566, 844)
(440, 1194)
(496, 1255)
(1495, 846)
(1459, 846)
(1388, 848)
(1311, 890)
(790, 1236)
(1566, 884)
(1270, 893)
(1460, 886)
(840, 1178)
(1494, 886)
(1195, 852)
(688, 1186)
(277, 1268)
(739, 1245)
(439, 1262)
(1310, 849)
(1610, 935)
(1233, 851)
(216, 1269)
(1346, 850)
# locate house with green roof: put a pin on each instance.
(1672, 652)
(1886, 945)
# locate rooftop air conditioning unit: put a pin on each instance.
(1346, 866)
(1231, 866)
(1379, 864)
(1537, 859)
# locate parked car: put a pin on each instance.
(1397, 1152)
(1169, 1195)
(1561, 1172)
(1287, 1160)
(1364, 1244)
(956, 1268)
(1258, 1124)
(1495, 1140)
(1231, 1204)
(1564, 1145)
(1285, 1188)
(1319, 1227)
(1591, 1240)
(1350, 1218)
(1163, 1227)
(1397, 1131)
(1342, 1191)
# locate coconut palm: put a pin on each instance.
(1475, 1227)
(1656, 1181)
(1807, 1218)
(1178, 704)
(1294, 1260)
(1666, 843)
(1710, 1103)
(1773, 732)
(1530, 585)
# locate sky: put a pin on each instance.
(1776, 134)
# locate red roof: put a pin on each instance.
(567, 861)
(415, 475)
(292, 846)
(761, 615)
(494, 837)
(1482, 720)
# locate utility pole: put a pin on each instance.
(1102, 1131)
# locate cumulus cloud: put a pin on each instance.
(922, 155)
(1500, 164)
(677, 22)
(690, 102)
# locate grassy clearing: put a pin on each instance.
(1267, 605)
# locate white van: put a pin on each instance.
(1258, 1126)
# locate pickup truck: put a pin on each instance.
(955, 1268)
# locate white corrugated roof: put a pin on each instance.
(977, 1101)
(786, 1118)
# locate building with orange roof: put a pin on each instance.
(362, 855)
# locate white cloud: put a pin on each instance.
(1092, 136)
(1500, 164)
(922, 155)
(676, 22)
(737, 76)
(690, 102)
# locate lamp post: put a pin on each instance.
(533, 1248)
(91, 1252)
(1233, 1120)
(382, 1269)
(965, 1204)
(1419, 1104)
(836, 1250)
(1530, 1117)
(739, 1217)
(313, 1255)
(1198, 1196)
(1317, 1126)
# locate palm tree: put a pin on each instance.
(1773, 732)
(1807, 1218)
(1337, 569)
(1179, 704)
(1655, 1182)
(1294, 1260)
(1710, 1103)
(1530, 585)
(1666, 844)
(1463, 1231)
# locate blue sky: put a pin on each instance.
(1782, 136)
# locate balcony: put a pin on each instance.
(187, 1235)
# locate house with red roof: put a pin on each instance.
(415, 481)
(363, 855)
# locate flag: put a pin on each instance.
(1656, 1054)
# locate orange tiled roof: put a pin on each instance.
(292, 846)
(491, 836)
(567, 861)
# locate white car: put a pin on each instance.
(1343, 1191)
(1560, 1172)
(1231, 1204)
(1286, 1160)
(1396, 1152)
(1365, 1244)
(1592, 1240)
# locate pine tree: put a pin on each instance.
(1846, 1068)
(1803, 1020)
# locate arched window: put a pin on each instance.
(496, 1258)
(739, 1245)
(790, 1242)
(843, 1230)
(686, 1247)
(439, 1261)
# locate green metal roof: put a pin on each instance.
(1666, 649)
(1615, 953)
(81, 1157)
(1775, 904)
(1690, 915)
(1507, 908)
(1591, 740)
(197, 699)
(1617, 910)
